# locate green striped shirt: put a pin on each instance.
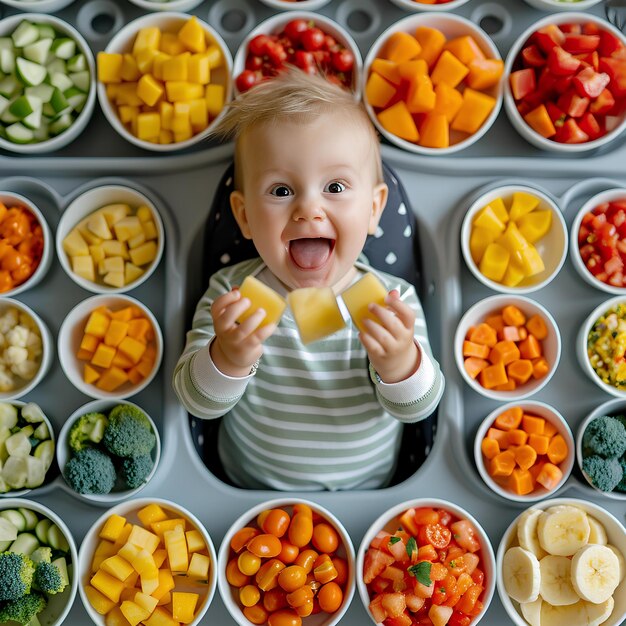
(311, 417)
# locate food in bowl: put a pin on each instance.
(428, 566)
(569, 81)
(303, 43)
(559, 568)
(114, 245)
(604, 453)
(26, 446)
(606, 346)
(430, 90)
(505, 350)
(161, 87)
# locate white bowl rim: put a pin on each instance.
(604, 196)
(495, 301)
(414, 20)
(113, 46)
(41, 6)
(417, 5)
(97, 287)
(170, 5)
(560, 5)
(284, 5)
(518, 122)
(568, 463)
(466, 232)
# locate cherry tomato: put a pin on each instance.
(265, 546)
(300, 596)
(276, 522)
(256, 614)
(300, 530)
(275, 599)
(305, 509)
(312, 38)
(276, 54)
(330, 43)
(425, 515)
(267, 576)
(12, 260)
(234, 575)
(436, 535)
(305, 61)
(295, 28)
(254, 63)
(246, 80)
(306, 559)
(330, 597)
(289, 553)
(242, 536)
(325, 538)
(284, 617)
(6, 282)
(258, 45)
(248, 563)
(304, 610)
(249, 595)
(341, 565)
(444, 590)
(292, 578)
(342, 60)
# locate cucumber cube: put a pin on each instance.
(24, 106)
(41, 530)
(26, 543)
(58, 103)
(57, 540)
(18, 133)
(25, 34)
(57, 65)
(61, 81)
(30, 73)
(7, 61)
(60, 124)
(78, 63)
(43, 92)
(30, 517)
(33, 121)
(64, 48)
(9, 86)
(16, 518)
(32, 413)
(38, 51)
(81, 80)
(46, 31)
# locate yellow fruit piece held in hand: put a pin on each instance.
(359, 296)
(316, 312)
(261, 297)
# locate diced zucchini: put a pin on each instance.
(30, 517)
(81, 80)
(26, 543)
(8, 532)
(25, 34)
(64, 48)
(43, 92)
(18, 133)
(30, 73)
(60, 124)
(56, 66)
(45, 452)
(38, 51)
(32, 413)
(56, 539)
(7, 60)
(46, 31)
(61, 81)
(41, 530)
(41, 432)
(25, 105)
(16, 518)
(9, 86)
(78, 63)
(8, 415)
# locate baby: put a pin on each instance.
(308, 189)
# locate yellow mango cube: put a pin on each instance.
(195, 540)
(103, 355)
(316, 312)
(112, 378)
(129, 551)
(143, 538)
(90, 375)
(149, 89)
(198, 114)
(192, 35)
(117, 566)
(480, 238)
(261, 297)
(145, 601)
(182, 90)
(145, 59)
(100, 603)
(103, 550)
(512, 239)
(183, 135)
(180, 119)
(111, 91)
(176, 547)
(150, 230)
(131, 273)
(159, 528)
(127, 94)
(144, 254)
(84, 267)
(184, 606)
(161, 617)
(494, 262)
(109, 67)
(108, 585)
(127, 113)
(115, 333)
(530, 261)
(97, 324)
(166, 111)
(130, 70)
(170, 44)
(114, 212)
(148, 125)
(166, 584)
(134, 350)
(513, 276)
(157, 64)
(123, 536)
(144, 564)
(119, 360)
(111, 264)
(487, 218)
(133, 612)
(359, 296)
(535, 225)
(499, 208)
(166, 136)
(151, 513)
(132, 579)
(216, 58)
(199, 70)
(176, 68)
(199, 566)
(165, 599)
(114, 247)
(115, 617)
(522, 204)
(148, 37)
(149, 582)
(214, 95)
(74, 244)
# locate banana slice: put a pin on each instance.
(556, 581)
(595, 573)
(564, 530)
(580, 614)
(532, 611)
(597, 533)
(527, 532)
(620, 560)
(521, 574)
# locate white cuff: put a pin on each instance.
(213, 382)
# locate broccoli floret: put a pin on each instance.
(621, 486)
(87, 429)
(22, 610)
(129, 432)
(605, 474)
(90, 471)
(48, 578)
(605, 436)
(135, 470)
(16, 575)
(43, 553)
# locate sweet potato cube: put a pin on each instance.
(509, 419)
(316, 312)
(509, 385)
(502, 464)
(517, 437)
(151, 513)
(520, 370)
(521, 482)
(539, 442)
(525, 456)
(108, 585)
(103, 356)
(536, 326)
(359, 296)
(378, 91)
(549, 476)
(184, 606)
(474, 366)
(100, 603)
(133, 612)
(401, 47)
(489, 447)
(474, 111)
(530, 348)
(111, 379)
(510, 333)
(557, 449)
(483, 334)
(398, 120)
(431, 41)
(493, 375)
(475, 349)
(97, 324)
(504, 352)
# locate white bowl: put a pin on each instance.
(39, 6)
(518, 121)
(275, 24)
(122, 42)
(606, 196)
(18, 493)
(452, 26)
(89, 202)
(540, 409)
(7, 26)
(492, 305)
(552, 247)
(64, 453)
(581, 345)
(129, 510)
(10, 199)
(562, 5)
(167, 5)
(616, 537)
(47, 347)
(416, 5)
(70, 336)
(58, 605)
(345, 550)
(611, 408)
(388, 521)
(300, 5)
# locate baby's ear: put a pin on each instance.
(379, 200)
(238, 207)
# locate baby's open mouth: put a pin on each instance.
(311, 253)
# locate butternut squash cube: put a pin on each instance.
(143, 538)
(214, 95)
(195, 541)
(100, 603)
(184, 606)
(112, 527)
(133, 349)
(109, 67)
(116, 332)
(108, 585)
(161, 617)
(90, 375)
(74, 244)
(192, 35)
(84, 267)
(133, 612)
(199, 566)
(316, 312)
(176, 547)
(261, 297)
(117, 566)
(97, 324)
(111, 379)
(359, 296)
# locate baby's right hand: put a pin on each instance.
(237, 347)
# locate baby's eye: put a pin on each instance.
(282, 191)
(335, 187)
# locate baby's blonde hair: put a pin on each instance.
(291, 96)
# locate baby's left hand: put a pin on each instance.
(391, 345)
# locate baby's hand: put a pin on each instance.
(390, 345)
(237, 347)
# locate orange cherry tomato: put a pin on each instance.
(330, 597)
(276, 522)
(234, 575)
(274, 600)
(12, 260)
(292, 578)
(6, 281)
(300, 530)
(284, 617)
(300, 596)
(267, 576)
(241, 538)
(15, 226)
(306, 559)
(304, 610)
(325, 538)
(300, 507)
(22, 273)
(248, 563)
(289, 553)
(265, 546)
(341, 565)
(256, 614)
(260, 518)
(249, 595)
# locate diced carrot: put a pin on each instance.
(549, 429)
(517, 437)
(557, 449)
(512, 316)
(523, 333)
(492, 376)
(540, 367)
(549, 476)
(495, 321)
(500, 436)
(520, 370)
(474, 366)
(502, 464)
(530, 348)
(521, 482)
(504, 352)
(536, 468)
(483, 334)
(539, 443)
(525, 456)
(509, 385)
(475, 349)
(509, 419)
(537, 327)
(510, 333)
(489, 447)
(533, 424)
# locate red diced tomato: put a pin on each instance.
(399, 620)
(533, 57)
(459, 619)
(586, 251)
(444, 517)
(616, 69)
(376, 609)
(556, 115)
(592, 59)
(381, 541)
(609, 43)
(425, 515)
(407, 521)
(579, 44)
(548, 37)
(591, 28)
(380, 585)
(599, 218)
(467, 602)
(436, 535)
(465, 535)
(394, 604)
(398, 551)
(522, 83)
(426, 553)
(573, 104)
(614, 265)
(572, 29)
(589, 83)
(603, 104)
(563, 83)
(583, 234)
(561, 62)
(570, 132)
(413, 602)
(589, 124)
(478, 576)
(375, 563)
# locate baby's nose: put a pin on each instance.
(309, 208)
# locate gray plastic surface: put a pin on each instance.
(440, 190)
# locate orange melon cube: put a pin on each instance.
(401, 47)
(98, 601)
(111, 379)
(97, 324)
(116, 331)
(449, 70)
(103, 356)
(397, 120)
(432, 41)
(184, 606)
(378, 91)
(132, 348)
(434, 131)
(90, 375)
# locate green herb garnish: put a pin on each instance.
(421, 571)
(411, 546)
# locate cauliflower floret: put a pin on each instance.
(26, 369)
(27, 321)
(2, 340)
(6, 380)
(18, 336)
(34, 353)
(8, 320)
(34, 339)
(15, 355)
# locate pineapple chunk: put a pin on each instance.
(115, 212)
(261, 296)
(97, 224)
(137, 240)
(97, 253)
(83, 266)
(88, 236)
(144, 254)
(115, 279)
(111, 264)
(115, 248)
(358, 297)
(184, 606)
(144, 213)
(150, 230)
(127, 228)
(74, 244)
(131, 273)
(199, 566)
(316, 312)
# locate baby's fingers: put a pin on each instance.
(402, 310)
(229, 315)
(224, 301)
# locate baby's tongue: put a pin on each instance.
(309, 253)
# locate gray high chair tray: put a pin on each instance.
(440, 190)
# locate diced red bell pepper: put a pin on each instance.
(546, 84)
(603, 104)
(573, 29)
(563, 83)
(609, 43)
(570, 132)
(561, 62)
(548, 37)
(533, 57)
(591, 60)
(578, 44)
(589, 124)
(573, 104)
(557, 116)
(616, 69)
(522, 83)
(589, 83)
(591, 28)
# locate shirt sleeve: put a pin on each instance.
(416, 397)
(201, 388)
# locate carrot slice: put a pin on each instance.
(495, 321)
(525, 456)
(509, 419)
(493, 375)
(549, 476)
(489, 447)
(530, 348)
(475, 349)
(500, 436)
(521, 482)
(513, 316)
(502, 464)
(549, 429)
(536, 326)
(540, 367)
(557, 449)
(533, 424)
(504, 352)
(517, 437)
(539, 442)
(483, 334)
